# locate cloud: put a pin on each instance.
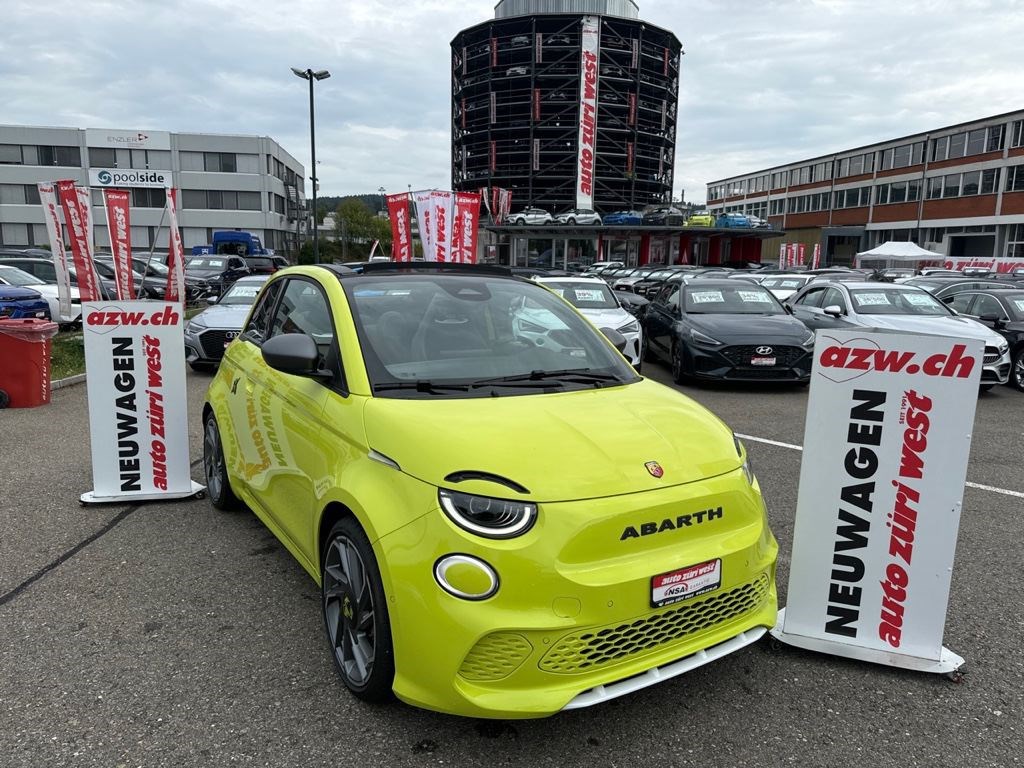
(762, 83)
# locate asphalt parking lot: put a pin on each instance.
(175, 635)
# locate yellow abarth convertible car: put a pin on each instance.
(486, 545)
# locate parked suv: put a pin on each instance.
(219, 271)
(665, 216)
(579, 216)
(530, 216)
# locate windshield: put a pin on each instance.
(241, 293)
(731, 300)
(787, 283)
(584, 295)
(896, 301)
(475, 336)
(205, 262)
(15, 276)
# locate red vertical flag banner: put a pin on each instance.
(816, 258)
(75, 219)
(401, 240)
(782, 255)
(801, 251)
(790, 254)
(464, 227)
(119, 226)
(60, 256)
(175, 252)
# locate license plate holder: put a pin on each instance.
(686, 583)
(760, 360)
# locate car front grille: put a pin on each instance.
(213, 343)
(784, 356)
(495, 656)
(585, 650)
(991, 355)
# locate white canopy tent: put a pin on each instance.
(896, 252)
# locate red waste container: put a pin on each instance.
(25, 362)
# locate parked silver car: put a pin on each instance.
(531, 216)
(208, 334)
(579, 216)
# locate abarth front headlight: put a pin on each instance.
(484, 516)
(741, 451)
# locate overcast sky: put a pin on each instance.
(762, 82)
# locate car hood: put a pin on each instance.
(50, 291)
(230, 316)
(17, 293)
(940, 325)
(607, 318)
(560, 446)
(732, 329)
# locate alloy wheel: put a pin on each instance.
(213, 459)
(349, 611)
(1018, 371)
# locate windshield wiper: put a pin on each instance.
(575, 375)
(422, 385)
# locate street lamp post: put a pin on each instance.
(310, 75)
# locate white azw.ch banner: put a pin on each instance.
(886, 443)
(425, 222)
(138, 416)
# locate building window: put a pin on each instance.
(102, 158)
(1015, 241)
(219, 162)
(852, 198)
(971, 182)
(951, 185)
(62, 156)
(10, 154)
(776, 207)
(215, 199)
(1015, 178)
(995, 139)
(939, 147)
(1016, 136)
(146, 197)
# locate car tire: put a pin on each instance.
(571, 221)
(218, 484)
(1017, 370)
(355, 613)
(678, 366)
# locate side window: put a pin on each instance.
(960, 302)
(259, 318)
(303, 308)
(834, 297)
(672, 296)
(812, 298)
(988, 306)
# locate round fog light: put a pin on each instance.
(466, 577)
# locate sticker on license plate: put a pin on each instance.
(686, 583)
(762, 361)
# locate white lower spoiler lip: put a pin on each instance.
(602, 693)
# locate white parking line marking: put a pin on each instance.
(790, 446)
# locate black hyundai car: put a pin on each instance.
(1003, 311)
(727, 330)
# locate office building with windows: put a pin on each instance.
(248, 183)
(957, 190)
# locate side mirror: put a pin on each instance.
(996, 320)
(294, 353)
(788, 308)
(833, 310)
(211, 300)
(617, 339)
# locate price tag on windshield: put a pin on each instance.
(1019, 304)
(919, 299)
(871, 299)
(706, 297)
(588, 294)
(754, 297)
(246, 291)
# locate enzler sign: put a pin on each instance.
(127, 177)
(102, 137)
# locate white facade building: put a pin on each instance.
(248, 183)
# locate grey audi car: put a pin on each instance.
(208, 333)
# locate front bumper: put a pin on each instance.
(735, 363)
(207, 345)
(996, 367)
(572, 621)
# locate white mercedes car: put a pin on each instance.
(594, 300)
(13, 276)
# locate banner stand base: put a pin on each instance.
(946, 663)
(91, 497)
